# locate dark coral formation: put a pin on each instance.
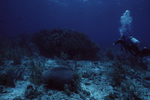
(75, 44)
(57, 77)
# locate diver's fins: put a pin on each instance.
(144, 52)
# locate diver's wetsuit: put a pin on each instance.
(132, 48)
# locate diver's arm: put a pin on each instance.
(119, 41)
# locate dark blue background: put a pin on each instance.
(100, 19)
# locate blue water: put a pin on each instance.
(100, 19)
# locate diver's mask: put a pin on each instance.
(134, 41)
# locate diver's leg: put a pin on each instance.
(144, 52)
(133, 53)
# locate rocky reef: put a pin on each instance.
(62, 42)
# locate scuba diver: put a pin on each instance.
(131, 44)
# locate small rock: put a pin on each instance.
(146, 84)
(87, 83)
(147, 78)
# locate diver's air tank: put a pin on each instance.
(134, 41)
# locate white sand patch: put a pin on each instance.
(98, 92)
